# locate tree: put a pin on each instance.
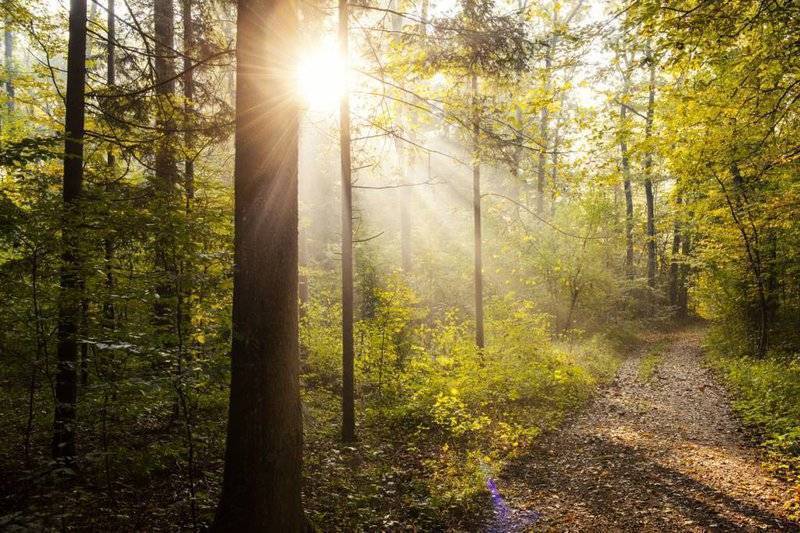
(71, 279)
(476, 213)
(348, 353)
(262, 475)
(648, 169)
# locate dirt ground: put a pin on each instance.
(657, 450)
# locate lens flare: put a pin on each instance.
(321, 79)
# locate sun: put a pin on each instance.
(321, 78)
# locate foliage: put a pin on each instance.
(452, 414)
(767, 397)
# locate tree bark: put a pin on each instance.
(674, 265)
(188, 96)
(476, 210)
(165, 165)
(166, 171)
(683, 284)
(541, 177)
(625, 162)
(108, 240)
(403, 163)
(348, 352)
(69, 308)
(648, 174)
(262, 476)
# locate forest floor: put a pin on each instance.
(659, 449)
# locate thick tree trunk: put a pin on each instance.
(166, 170)
(348, 351)
(476, 210)
(69, 308)
(648, 175)
(165, 165)
(262, 477)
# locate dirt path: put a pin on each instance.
(658, 450)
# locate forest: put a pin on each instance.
(400, 265)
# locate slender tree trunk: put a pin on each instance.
(108, 240)
(476, 210)
(541, 177)
(188, 96)
(404, 161)
(683, 288)
(648, 175)
(63, 447)
(348, 352)
(554, 162)
(753, 258)
(263, 456)
(674, 266)
(626, 181)
(32, 383)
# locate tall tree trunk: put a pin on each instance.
(188, 96)
(404, 161)
(476, 210)
(554, 160)
(674, 265)
(348, 352)
(648, 173)
(626, 181)
(683, 283)
(165, 165)
(544, 119)
(69, 309)
(262, 476)
(108, 240)
(166, 169)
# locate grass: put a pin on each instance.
(650, 362)
(767, 398)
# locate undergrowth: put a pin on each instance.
(437, 416)
(767, 397)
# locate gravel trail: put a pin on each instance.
(657, 450)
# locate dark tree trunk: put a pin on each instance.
(262, 476)
(166, 170)
(69, 304)
(348, 352)
(188, 96)
(108, 240)
(165, 165)
(683, 284)
(648, 175)
(476, 210)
